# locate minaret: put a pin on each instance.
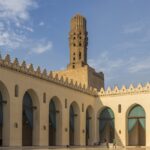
(78, 42)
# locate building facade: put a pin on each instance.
(70, 107)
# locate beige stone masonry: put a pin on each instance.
(123, 91)
(6, 62)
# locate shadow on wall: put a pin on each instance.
(106, 125)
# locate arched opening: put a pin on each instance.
(4, 113)
(136, 126)
(106, 125)
(1, 119)
(89, 125)
(74, 124)
(55, 122)
(52, 123)
(27, 120)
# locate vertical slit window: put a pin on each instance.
(119, 108)
(79, 55)
(44, 97)
(82, 107)
(16, 91)
(65, 103)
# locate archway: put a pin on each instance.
(27, 120)
(136, 126)
(106, 125)
(4, 115)
(1, 119)
(30, 119)
(89, 125)
(74, 124)
(55, 122)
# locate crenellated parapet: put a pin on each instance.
(123, 91)
(44, 75)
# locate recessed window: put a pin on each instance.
(79, 55)
(82, 107)
(16, 90)
(80, 44)
(73, 66)
(119, 108)
(74, 58)
(74, 37)
(74, 44)
(44, 97)
(65, 103)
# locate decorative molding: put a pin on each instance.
(124, 91)
(22, 68)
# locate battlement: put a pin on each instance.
(44, 75)
(123, 91)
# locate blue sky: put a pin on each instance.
(118, 32)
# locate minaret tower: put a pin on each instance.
(78, 42)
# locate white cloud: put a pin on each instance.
(139, 65)
(14, 16)
(16, 10)
(11, 39)
(42, 47)
(115, 68)
(41, 23)
(105, 63)
(134, 28)
(28, 28)
(1, 26)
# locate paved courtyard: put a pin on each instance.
(73, 148)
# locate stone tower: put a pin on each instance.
(78, 42)
(78, 69)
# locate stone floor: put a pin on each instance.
(71, 148)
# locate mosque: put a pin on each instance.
(71, 106)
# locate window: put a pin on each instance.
(65, 103)
(79, 55)
(16, 91)
(44, 97)
(119, 108)
(74, 58)
(82, 107)
(80, 44)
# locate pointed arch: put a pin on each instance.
(30, 118)
(74, 124)
(4, 114)
(106, 125)
(136, 125)
(55, 121)
(89, 125)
